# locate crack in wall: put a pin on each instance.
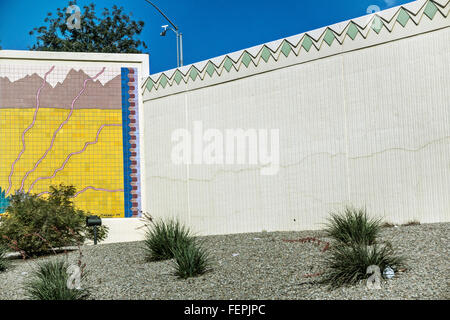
(331, 155)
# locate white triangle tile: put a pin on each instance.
(170, 73)
(340, 27)
(236, 55)
(364, 20)
(443, 3)
(390, 26)
(416, 18)
(415, 6)
(295, 40)
(388, 14)
(317, 33)
(218, 60)
(445, 11)
(343, 34)
(254, 50)
(200, 65)
(274, 45)
(185, 69)
(155, 76)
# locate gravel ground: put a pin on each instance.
(266, 267)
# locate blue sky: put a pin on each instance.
(210, 27)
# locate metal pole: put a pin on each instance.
(95, 235)
(178, 49)
(181, 49)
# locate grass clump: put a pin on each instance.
(353, 226)
(355, 248)
(411, 223)
(387, 225)
(347, 264)
(191, 260)
(49, 282)
(170, 239)
(163, 237)
(4, 262)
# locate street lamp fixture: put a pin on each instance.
(163, 33)
(177, 32)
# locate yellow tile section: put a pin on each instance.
(99, 166)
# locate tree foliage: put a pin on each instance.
(113, 32)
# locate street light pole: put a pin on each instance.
(177, 32)
(181, 48)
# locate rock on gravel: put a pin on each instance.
(254, 266)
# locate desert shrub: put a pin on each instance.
(49, 282)
(411, 223)
(4, 262)
(353, 226)
(347, 264)
(191, 259)
(387, 225)
(102, 233)
(162, 237)
(36, 225)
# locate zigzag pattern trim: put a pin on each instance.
(344, 31)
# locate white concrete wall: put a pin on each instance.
(368, 127)
(362, 121)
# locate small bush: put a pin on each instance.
(353, 227)
(163, 237)
(102, 233)
(411, 223)
(387, 225)
(191, 260)
(49, 282)
(3, 261)
(347, 264)
(36, 225)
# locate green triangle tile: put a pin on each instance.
(403, 17)
(150, 84)
(329, 37)
(307, 43)
(431, 10)
(377, 24)
(286, 48)
(164, 81)
(178, 77)
(246, 59)
(228, 64)
(194, 73)
(210, 69)
(265, 54)
(352, 31)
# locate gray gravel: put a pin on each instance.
(266, 267)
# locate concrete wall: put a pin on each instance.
(362, 109)
(363, 119)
